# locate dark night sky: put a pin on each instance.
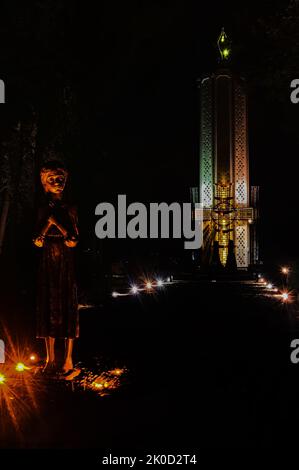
(133, 67)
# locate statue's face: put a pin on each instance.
(54, 181)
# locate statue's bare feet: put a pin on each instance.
(72, 374)
(67, 366)
(49, 368)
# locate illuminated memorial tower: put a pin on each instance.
(224, 191)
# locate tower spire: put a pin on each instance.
(224, 46)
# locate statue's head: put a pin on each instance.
(53, 176)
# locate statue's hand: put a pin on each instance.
(39, 242)
(70, 242)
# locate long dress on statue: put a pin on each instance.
(57, 306)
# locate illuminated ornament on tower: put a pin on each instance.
(224, 46)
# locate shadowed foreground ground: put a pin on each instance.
(208, 367)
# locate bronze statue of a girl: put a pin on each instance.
(56, 235)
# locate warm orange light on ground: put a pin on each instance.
(116, 371)
(20, 367)
(97, 385)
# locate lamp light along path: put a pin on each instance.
(285, 296)
(148, 286)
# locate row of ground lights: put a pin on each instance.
(284, 295)
(148, 286)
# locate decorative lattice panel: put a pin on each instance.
(206, 144)
(242, 245)
(241, 176)
(223, 129)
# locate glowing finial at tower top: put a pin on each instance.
(224, 46)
